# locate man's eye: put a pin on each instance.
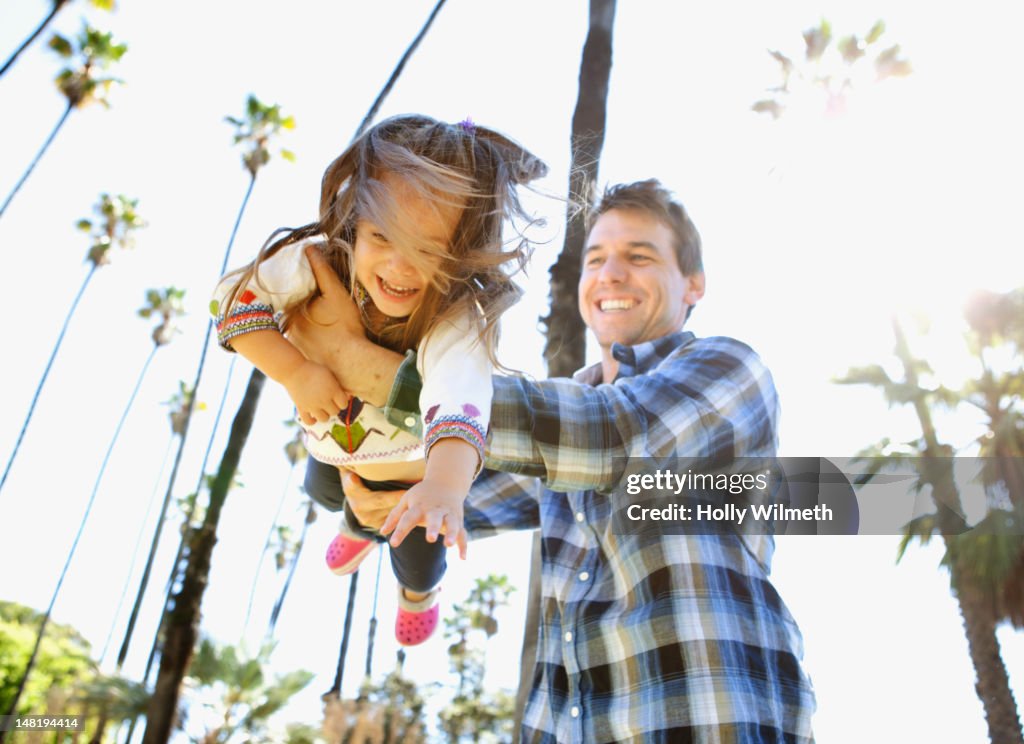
(593, 261)
(639, 258)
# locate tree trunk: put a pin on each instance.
(992, 684)
(375, 106)
(36, 159)
(183, 625)
(57, 5)
(565, 345)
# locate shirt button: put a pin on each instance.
(410, 421)
(568, 637)
(584, 576)
(574, 712)
(579, 516)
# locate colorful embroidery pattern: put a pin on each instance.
(247, 318)
(466, 428)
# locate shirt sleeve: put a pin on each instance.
(714, 398)
(281, 282)
(499, 502)
(456, 397)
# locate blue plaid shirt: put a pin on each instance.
(663, 638)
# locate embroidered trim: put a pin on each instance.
(245, 319)
(466, 428)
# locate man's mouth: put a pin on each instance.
(394, 290)
(616, 305)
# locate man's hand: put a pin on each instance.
(431, 505)
(333, 317)
(315, 392)
(371, 508)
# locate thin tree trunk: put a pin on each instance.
(74, 544)
(168, 495)
(37, 158)
(565, 345)
(335, 690)
(276, 612)
(57, 5)
(266, 548)
(46, 373)
(375, 107)
(183, 627)
(992, 684)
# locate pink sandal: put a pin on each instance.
(416, 621)
(344, 554)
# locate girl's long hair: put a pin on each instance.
(465, 166)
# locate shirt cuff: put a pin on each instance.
(403, 404)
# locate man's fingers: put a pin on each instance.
(463, 543)
(326, 278)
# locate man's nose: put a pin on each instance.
(613, 271)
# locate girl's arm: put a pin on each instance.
(311, 386)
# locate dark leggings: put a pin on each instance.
(418, 564)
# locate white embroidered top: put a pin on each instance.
(455, 400)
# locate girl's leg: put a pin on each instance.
(418, 566)
(353, 543)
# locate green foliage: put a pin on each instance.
(472, 710)
(115, 227)
(178, 404)
(261, 123)
(295, 449)
(990, 554)
(168, 305)
(64, 657)
(245, 698)
(828, 74)
(94, 52)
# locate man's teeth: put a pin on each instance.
(607, 305)
(396, 290)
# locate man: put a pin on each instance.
(649, 638)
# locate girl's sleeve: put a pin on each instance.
(456, 397)
(282, 281)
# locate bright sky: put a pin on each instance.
(815, 231)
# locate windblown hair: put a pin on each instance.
(651, 197)
(464, 166)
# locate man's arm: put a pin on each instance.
(333, 336)
(710, 398)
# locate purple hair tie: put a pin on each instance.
(467, 125)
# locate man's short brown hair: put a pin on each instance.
(651, 197)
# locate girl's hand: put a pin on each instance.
(435, 507)
(315, 392)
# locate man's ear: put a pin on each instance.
(694, 288)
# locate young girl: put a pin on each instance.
(411, 218)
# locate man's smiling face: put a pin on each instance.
(631, 287)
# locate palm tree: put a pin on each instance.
(95, 52)
(115, 227)
(295, 452)
(247, 699)
(54, 9)
(165, 305)
(261, 124)
(980, 559)
(830, 74)
(471, 710)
